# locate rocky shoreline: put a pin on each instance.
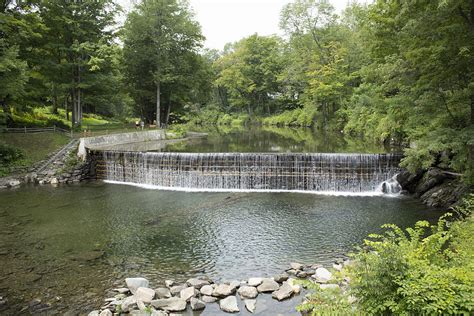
(138, 297)
(435, 187)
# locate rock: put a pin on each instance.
(129, 303)
(197, 283)
(208, 299)
(54, 181)
(169, 283)
(351, 299)
(175, 290)
(292, 271)
(105, 312)
(248, 292)
(94, 313)
(255, 281)
(268, 285)
(144, 294)
(197, 305)
(430, 179)
(281, 277)
(296, 287)
(337, 266)
(172, 304)
(302, 274)
(13, 183)
(235, 284)
(251, 305)
(223, 290)
(207, 290)
(121, 290)
(329, 286)
(229, 304)
(187, 293)
(296, 266)
(141, 305)
(322, 275)
(134, 283)
(284, 292)
(162, 292)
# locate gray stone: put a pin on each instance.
(292, 271)
(207, 290)
(129, 303)
(268, 285)
(281, 277)
(296, 287)
(322, 275)
(255, 281)
(208, 299)
(172, 304)
(162, 292)
(197, 305)
(175, 290)
(296, 266)
(54, 181)
(169, 283)
(144, 294)
(229, 304)
(235, 284)
(187, 293)
(141, 305)
(197, 283)
(337, 266)
(105, 312)
(251, 305)
(223, 290)
(302, 274)
(284, 292)
(248, 292)
(13, 183)
(94, 313)
(122, 290)
(134, 283)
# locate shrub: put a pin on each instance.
(9, 154)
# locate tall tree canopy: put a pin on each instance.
(161, 40)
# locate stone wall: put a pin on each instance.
(435, 187)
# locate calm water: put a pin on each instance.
(49, 236)
(262, 139)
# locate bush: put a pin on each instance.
(414, 272)
(9, 154)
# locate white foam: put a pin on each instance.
(330, 193)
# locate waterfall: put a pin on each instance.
(315, 172)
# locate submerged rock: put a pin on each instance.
(229, 304)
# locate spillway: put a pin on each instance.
(312, 172)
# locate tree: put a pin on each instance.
(161, 39)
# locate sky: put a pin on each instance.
(225, 21)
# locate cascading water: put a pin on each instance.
(352, 173)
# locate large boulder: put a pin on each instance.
(268, 285)
(408, 181)
(172, 304)
(248, 291)
(229, 304)
(134, 283)
(284, 292)
(431, 178)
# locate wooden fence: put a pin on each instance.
(30, 130)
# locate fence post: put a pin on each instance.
(54, 128)
(24, 128)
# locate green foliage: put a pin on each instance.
(326, 302)
(305, 117)
(424, 270)
(9, 153)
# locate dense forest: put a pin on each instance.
(393, 71)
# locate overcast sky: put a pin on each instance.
(226, 21)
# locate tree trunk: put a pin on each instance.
(74, 108)
(54, 107)
(472, 109)
(158, 105)
(66, 107)
(168, 111)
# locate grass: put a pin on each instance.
(35, 147)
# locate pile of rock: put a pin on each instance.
(138, 298)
